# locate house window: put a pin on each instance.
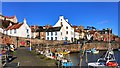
(66, 27)
(10, 31)
(61, 19)
(61, 33)
(51, 33)
(28, 36)
(55, 38)
(15, 31)
(66, 38)
(61, 24)
(6, 32)
(66, 32)
(27, 30)
(47, 38)
(48, 33)
(51, 38)
(55, 33)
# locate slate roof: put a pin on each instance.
(52, 29)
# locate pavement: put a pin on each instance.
(29, 58)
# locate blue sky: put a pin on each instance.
(98, 14)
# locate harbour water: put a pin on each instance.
(75, 58)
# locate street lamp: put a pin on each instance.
(30, 43)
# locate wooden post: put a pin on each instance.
(86, 58)
(0, 57)
(81, 58)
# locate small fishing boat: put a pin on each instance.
(66, 63)
(64, 52)
(118, 49)
(88, 51)
(94, 51)
(107, 61)
(58, 56)
(50, 55)
(100, 63)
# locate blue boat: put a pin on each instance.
(94, 51)
(66, 63)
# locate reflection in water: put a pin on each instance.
(75, 57)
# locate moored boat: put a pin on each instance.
(64, 52)
(94, 51)
(118, 49)
(66, 63)
(107, 61)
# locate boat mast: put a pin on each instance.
(109, 40)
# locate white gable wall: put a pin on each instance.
(23, 31)
(62, 22)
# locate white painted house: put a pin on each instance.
(53, 33)
(77, 35)
(19, 30)
(65, 31)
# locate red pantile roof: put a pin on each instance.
(76, 28)
(92, 32)
(9, 17)
(15, 26)
(33, 28)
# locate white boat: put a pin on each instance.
(118, 49)
(88, 51)
(107, 61)
(66, 63)
(94, 51)
(100, 63)
(58, 56)
(50, 55)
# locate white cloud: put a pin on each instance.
(103, 22)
